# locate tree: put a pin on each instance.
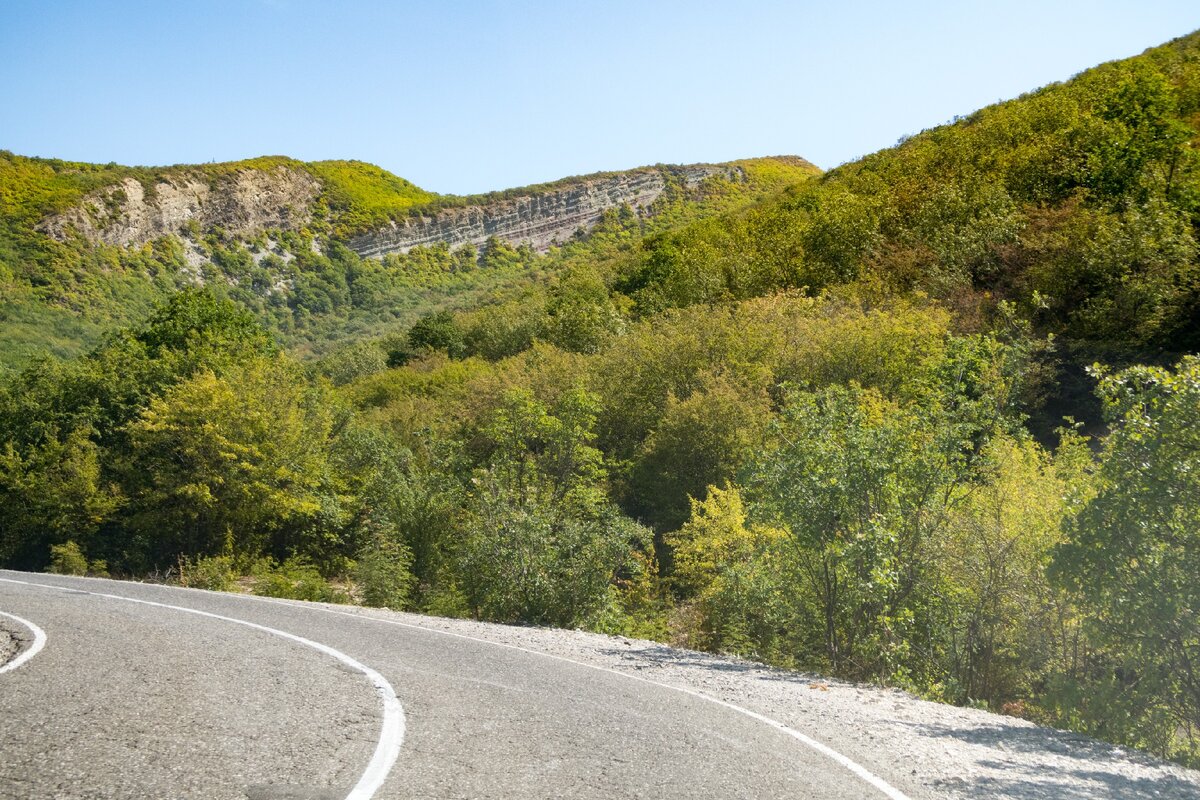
(1140, 129)
(1133, 553)
(543, 544)
(233, 465)
(581, 315)
(437, 331)
(52, 493)
(860, 484)
(1007, 626)
(736, 577)
(350, 362)
(702, 440)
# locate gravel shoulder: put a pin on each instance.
(531, 717)
(931, 749)
(9, 645)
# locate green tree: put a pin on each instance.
(52, 493)
(581, 316)
(861, 485)
(1132, 556)
(1008, 628)
(437, 331)
(543, 544)
(1140, 130)
(234, 464)
(702, 440)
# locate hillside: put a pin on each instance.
(1077, 201)
(84, 245)
(817, 420)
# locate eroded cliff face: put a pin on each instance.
(243, 203)
(249, 201)
(540, 219)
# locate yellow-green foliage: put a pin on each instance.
(31, 188)
(215, 573)
(1013, 628)
(1130, 560)
(294, 579)
(363, 196)
(715, 538)
(1077, 202)
(67, 559)
(729, 573)
(235, 456)
(778, 172)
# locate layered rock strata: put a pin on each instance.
(249, 201)
(538, 219)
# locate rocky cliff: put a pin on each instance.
(246, 201)
(243, 203)
(540, 218)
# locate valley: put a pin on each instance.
(928, 419)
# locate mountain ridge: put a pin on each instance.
(85, 245)
(347, 199)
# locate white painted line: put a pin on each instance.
(391, 735)
(859, 770)
(39, 641)
(842, 760)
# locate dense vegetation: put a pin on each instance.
(304, 284)
(823, 430)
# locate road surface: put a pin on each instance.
(141, 690)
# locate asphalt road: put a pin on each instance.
(131, 699)
(150, 691)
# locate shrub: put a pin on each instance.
(215, 573)
(295, 579)
(382, 573)
(67, 559)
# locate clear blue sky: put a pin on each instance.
(471, 96)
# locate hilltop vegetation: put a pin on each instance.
(1077, 201)
(815, 422)
(60, 294)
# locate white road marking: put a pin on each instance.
(842, 760)
(845, 761)
(39, 641)
(391, 735)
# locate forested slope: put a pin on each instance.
(796, 424)
(87, 246)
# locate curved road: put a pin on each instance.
(150, 691)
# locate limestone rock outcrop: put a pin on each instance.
(539, 219)
(247, 201)
(244, 203)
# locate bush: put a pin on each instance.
(1131, 557)
(730, 574)
(67, 559)
(215, 573)
(382, 574)
(295, 579)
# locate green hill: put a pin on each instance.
(85, 246)
(1078, 202)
